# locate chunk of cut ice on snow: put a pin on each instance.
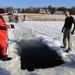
(72, 57)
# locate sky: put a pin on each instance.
(36, 3)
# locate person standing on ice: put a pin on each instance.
(23, 17)
(3, 37)
(16, 18)
(67, 31)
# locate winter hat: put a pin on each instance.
(1, 10)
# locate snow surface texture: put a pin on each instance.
(48, 33)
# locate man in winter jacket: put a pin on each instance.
(3, 37)
(67, 31)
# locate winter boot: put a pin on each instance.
(1, 56)
(63, 47)
(6, 58)
(68, 50)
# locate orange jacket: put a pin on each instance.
(3, 36)
(3, 28)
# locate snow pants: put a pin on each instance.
(67, 39)
(3, 46)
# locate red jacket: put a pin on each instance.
(3, 36)
(3, 28)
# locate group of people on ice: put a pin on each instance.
(15, 18)
(67, 31)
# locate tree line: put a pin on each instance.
(36, 9)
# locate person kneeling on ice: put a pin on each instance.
(69, 20)
(3, 37)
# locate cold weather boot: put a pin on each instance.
(68, 50)
(6, 58)
(63, 47)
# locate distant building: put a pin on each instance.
(59, 12)
(48, 12)
(10, 12)
(15, 11)
(42, 11)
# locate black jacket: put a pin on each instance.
(68, 22)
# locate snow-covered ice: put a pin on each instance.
(48, 33)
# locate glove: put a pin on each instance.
(12, 26)
(72, 32)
